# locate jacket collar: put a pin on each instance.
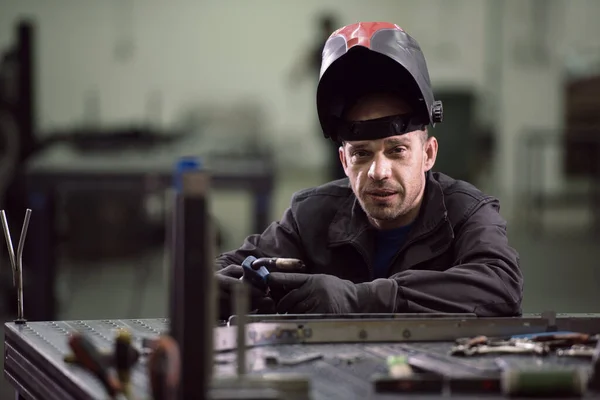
(350, 221)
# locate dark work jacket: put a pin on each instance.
(456, 258)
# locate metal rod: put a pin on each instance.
(11, 250)
(193, 293)
(19, 272)
(241, 306)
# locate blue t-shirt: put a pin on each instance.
(387, 245)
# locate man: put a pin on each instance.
(393, 237)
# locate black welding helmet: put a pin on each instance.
(367, 57)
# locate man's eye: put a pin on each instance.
(399, 150)
(360, 153)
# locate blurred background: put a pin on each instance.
(99, 98)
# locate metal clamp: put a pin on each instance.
(16, 261)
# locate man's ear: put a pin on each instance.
(343, 160)
(431, 150)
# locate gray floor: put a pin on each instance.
(561, 272)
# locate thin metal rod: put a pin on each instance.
(23, 236)
(11, 250)
(242, 306)
(19, 272)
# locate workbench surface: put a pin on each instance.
(34, 363)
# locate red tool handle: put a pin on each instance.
(88, 356)
(164, 369)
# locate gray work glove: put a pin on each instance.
(226, 279)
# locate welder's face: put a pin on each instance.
(388, 175)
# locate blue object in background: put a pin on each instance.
(184, 165)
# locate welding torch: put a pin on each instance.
(256, 270)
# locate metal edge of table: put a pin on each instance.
(41, 373)
(28, 381)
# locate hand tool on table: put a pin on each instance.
(569, 338)
(16, 261)
(559, 340)
(88, 357)
(540, 344)
(107, 357)
(470, 342)
(125, 357)
(164, 369)
(256, 270)
(505, 348)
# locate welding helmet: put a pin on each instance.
(371, 57)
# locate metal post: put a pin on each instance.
(193, 296)
(241, 307)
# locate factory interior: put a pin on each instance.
(99, 99)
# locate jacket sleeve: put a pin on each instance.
(485, 279)
(280, 239)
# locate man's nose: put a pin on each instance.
(380, 168)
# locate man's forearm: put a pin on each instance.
(378, 296)
(482, 289)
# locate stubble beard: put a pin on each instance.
(384, 212)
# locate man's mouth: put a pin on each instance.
(381, 193)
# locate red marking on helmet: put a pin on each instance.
(360, 34)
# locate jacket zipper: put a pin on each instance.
(422, 236)
(418, 238)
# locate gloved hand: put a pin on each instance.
(226, 279)
(314, 294)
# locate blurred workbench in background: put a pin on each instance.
(62, 169)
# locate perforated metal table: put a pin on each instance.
(351, 350)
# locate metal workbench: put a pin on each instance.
(352, 350)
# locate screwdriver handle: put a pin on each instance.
(164, 369)
(125, 356)
(88, 356)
